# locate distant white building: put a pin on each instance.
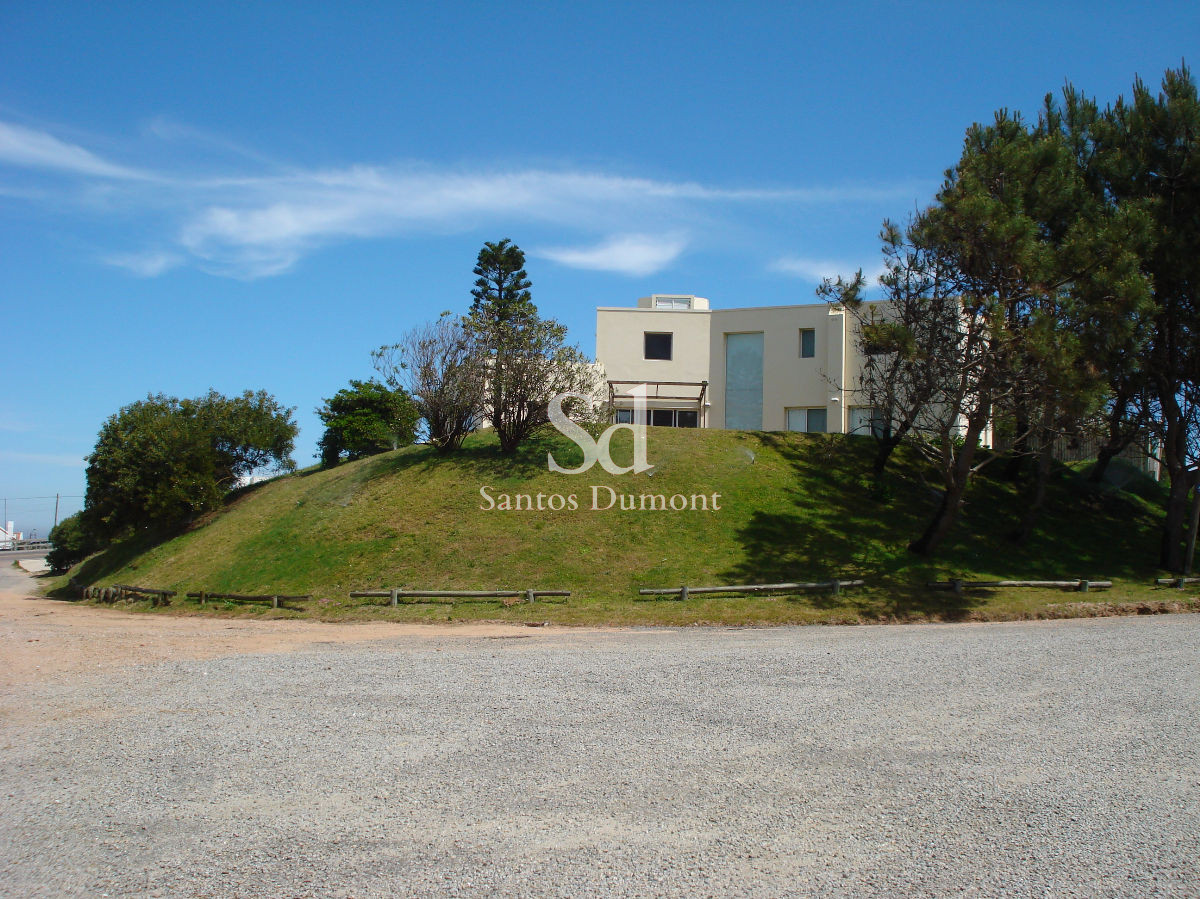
(9, 537)
(771, 368)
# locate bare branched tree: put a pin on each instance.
(438, 363)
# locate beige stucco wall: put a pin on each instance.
(620, 344)
(789, 381)
(826, 380)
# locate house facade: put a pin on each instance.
(771, 368)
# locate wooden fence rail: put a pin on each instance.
(276, 599)
(1083, 586)
(124, 591)
(449, 596)
(1178, 582)
(685, 591)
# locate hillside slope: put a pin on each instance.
(791, 507)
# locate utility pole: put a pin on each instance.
(56, 510)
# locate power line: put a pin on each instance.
(59, 496)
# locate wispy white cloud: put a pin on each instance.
(626, 254)
(819, 269)
(262, 224)
(28, 148)
(150, 264)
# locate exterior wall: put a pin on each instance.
(789, 381)
(824, 381)
(620, 348)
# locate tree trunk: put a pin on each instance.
(1105, 455)
(958, 473)
(1020, 447)
(883, 452)
(1033, 509)
(1173, 527)
(941, 523)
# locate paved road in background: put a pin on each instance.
(1033, 759)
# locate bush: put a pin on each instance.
(72, 543)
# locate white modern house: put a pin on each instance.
(768, 368)
(9, 536)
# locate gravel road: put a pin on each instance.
(1035, 759)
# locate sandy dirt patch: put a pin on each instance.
(43, 638)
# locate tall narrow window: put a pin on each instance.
(744, 381)
(658, 346)
(808, 343)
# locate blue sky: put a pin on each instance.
(255, 195)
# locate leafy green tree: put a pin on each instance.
(501, 286)
(910, 343)
(161, 462)
(72, 542)
(1147, 146)
(1041, 271)
(364, 419)
(523, 359)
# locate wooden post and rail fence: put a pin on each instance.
(684, 591)
(448, 597)
(396, 596)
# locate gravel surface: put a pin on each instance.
(1033, 759)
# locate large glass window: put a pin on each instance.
(808, 343)
(811, 421)
(865, 420)
(672, 302)
(673, 418)
(662, 418)
(744, 381)
(624, 416)
(658, 346)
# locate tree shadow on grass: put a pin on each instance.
(107, 562)
(481, 456)
(840, 526)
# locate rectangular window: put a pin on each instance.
(744, 381)
(624, 416)
(687, 418)
(672, 302)
(808, 343)
(662, 418)
(658, 346)
(865, 420)
(811, 421)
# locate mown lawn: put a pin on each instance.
(793, 507)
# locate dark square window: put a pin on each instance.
(687, 418)
(658, 346)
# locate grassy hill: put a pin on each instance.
(792, 507)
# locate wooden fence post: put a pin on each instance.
(395, 597)
(274, 602)
(683, 592)
(837, 587)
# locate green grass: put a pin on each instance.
(793, 507)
